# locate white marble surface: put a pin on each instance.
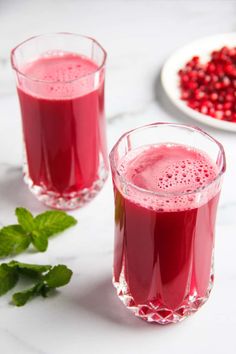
(86, 317)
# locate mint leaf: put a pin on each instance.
(8, 278)
(53, 222)
(55, 277)
(21, 298)
(40, 268)
(13, 240)
(25, 219)
(58, 276)
(39, 240)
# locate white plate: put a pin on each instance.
(169, 76)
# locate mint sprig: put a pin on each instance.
(15, 239)
(47, 278)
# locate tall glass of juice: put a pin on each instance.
(167, 180)
(60, 84)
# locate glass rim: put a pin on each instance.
(99, 68)
(168, 194)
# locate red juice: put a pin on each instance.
(63, 123)
(164, 239)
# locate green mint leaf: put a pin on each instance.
(39, 240)
(53, 222)
(40, 268)
(30, 270)
(48, 278)
(58, 276)
(25, 219)
(13, 240)
(21, 298)
(8, 278)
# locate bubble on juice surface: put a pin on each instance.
(173, 181)
(168, 170)
(67, 74)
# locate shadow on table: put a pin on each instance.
(13, 190)
(101, 300)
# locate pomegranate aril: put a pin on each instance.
(214, 96)
(210, 88)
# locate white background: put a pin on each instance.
(86, 317)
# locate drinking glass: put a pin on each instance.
(66, 161)
(164, 241)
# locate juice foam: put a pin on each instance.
(171, 171)
(59, 75)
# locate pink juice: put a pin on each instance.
(63, 123)
(164, 240)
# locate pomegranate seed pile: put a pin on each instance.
(210, 88)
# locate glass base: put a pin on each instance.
(68, 201)
(154, 311)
